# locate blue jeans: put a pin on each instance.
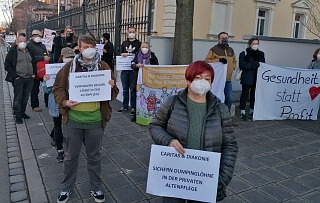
(127, 77)
(228, 94)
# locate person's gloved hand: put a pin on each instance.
(223, 60)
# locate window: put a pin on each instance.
(298, 28)
(261, 22)
(221, 17)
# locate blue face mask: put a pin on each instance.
(225, 42)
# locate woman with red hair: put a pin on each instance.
(197, 119)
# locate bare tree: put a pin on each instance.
(183, 35)
(313, 23)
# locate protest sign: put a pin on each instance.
(124, 63)
(47, 39)
(52, 70)
(157, 82)
(90, 86)
(10, 38)
(286, 93)
(192, 176)
(99, 48)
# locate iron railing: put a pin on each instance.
(112, 16)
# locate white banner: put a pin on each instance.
(124, 63)
(10, 38)
(286, 93)
(90, 86)
(219, 81)
(47, 39)
(193, 175)
(52, 70)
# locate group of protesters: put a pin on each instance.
(194, 118)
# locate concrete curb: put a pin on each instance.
(33, 180)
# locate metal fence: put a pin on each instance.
(112, 16)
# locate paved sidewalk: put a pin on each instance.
(278, 161)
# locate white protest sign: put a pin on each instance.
(193, 176)
(124, 63)
(47, 39)
(10, 38)
(52, 70)
(99, 48)
(286, 93)
(90, 86)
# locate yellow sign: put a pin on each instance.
(162, 76)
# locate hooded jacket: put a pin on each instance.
(216, 134)
(219, 51)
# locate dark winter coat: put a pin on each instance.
(216, 137)
(108, 57)
(37, 50)
(10, 64)
(249, 64)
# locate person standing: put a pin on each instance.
(59, 43)
(71, 38)
(249, 64)
(197, 119)
(21, 68)
(129, 47)
(223, 53)
(82, 122)
(315, 63)
(39, 52)
(108, 50)
(143, 57)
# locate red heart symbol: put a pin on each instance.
(314, 92)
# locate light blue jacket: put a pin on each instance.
(53, 106)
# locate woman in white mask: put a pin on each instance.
(197, 119)
(249, 63)
(67, 54)
(143, 57)
(315, 63)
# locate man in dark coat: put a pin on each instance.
(21, 69)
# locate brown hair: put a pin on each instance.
(252, 39)
(86, 39)
(315, 54)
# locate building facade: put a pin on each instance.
(272, 18)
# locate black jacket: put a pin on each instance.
(216, 137)
(108, 57)
(37, 50)
(59, 44)
(10, 64)
(135, 43)
(249, 64)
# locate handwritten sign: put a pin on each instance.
(286, 93)
(90, 86)
(192, 176)
(52, 70)
(124, 63)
